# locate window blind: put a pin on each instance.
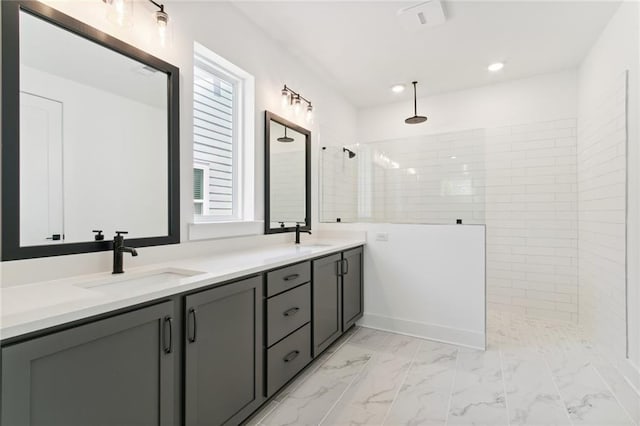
(213, 131)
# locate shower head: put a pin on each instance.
(351, 153)
(285, 138)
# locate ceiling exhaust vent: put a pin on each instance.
(422, 15)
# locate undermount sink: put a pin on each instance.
(140, 282)
(313, 245)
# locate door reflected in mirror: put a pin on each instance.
(288, 186)
(93, 139)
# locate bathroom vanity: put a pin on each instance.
(200, 347)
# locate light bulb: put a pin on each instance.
(119, 12)
(162, 20)
(297, 104)
(309, 113)
(285, 97)
(495, 67)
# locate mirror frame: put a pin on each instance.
(268, 117)
(11, 249)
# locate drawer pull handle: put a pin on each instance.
(291, 312)
(168, 348)
(291, 356)
(192, 337)
(291, 277)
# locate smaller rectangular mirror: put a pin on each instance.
(287, 175)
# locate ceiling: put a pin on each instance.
(363, 48)
(42, 46)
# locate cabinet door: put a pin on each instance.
(327, 303)
(224, 358)
(352, 286)
(116, 371)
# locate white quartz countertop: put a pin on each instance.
(33, 307)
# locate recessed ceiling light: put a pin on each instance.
(398, 88)
(495, 67)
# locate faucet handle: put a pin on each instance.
(118, 233)
(98, 236)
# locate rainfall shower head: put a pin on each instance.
(351, 153)
(285, 138)
(416, 119)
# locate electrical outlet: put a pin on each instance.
(382, 236)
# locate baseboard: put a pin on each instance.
(454, 336)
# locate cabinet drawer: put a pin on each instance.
(287, 358)
(287, 312)
(292, 276)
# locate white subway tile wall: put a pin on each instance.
(602, 147)
(428, 179)
(531, 217)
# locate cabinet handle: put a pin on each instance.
(291, 312)
(346, 269)
(168, 321)
(192, 315)
(339, 267)
(291, 277)
(291, 356)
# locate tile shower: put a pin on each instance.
(518, 180)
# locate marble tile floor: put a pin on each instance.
(532, 373)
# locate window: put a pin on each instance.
(200, 176)
(222, 139)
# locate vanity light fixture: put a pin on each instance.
(162, 21)
(120, 13)
(295, 99)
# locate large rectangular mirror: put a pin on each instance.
(90, 138)
(287, 175)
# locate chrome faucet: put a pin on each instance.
(298, 233)
(118, 249)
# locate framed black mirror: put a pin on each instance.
(90, 138)
(287, 196)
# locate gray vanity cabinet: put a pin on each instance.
(115, 371)
(327, 302)
(223, 353)
(352, 287)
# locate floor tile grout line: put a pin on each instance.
(504, 387)
(562, 402)
(319, 365)
(404, 379)
(606, 384)
(337, 401)
(453, 384)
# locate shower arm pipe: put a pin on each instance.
(415, 97)
(293, 92)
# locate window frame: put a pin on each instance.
(243, 140)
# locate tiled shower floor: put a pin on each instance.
(533, 373)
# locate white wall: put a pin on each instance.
(220, 27)
(604, 135)
(426, 280)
